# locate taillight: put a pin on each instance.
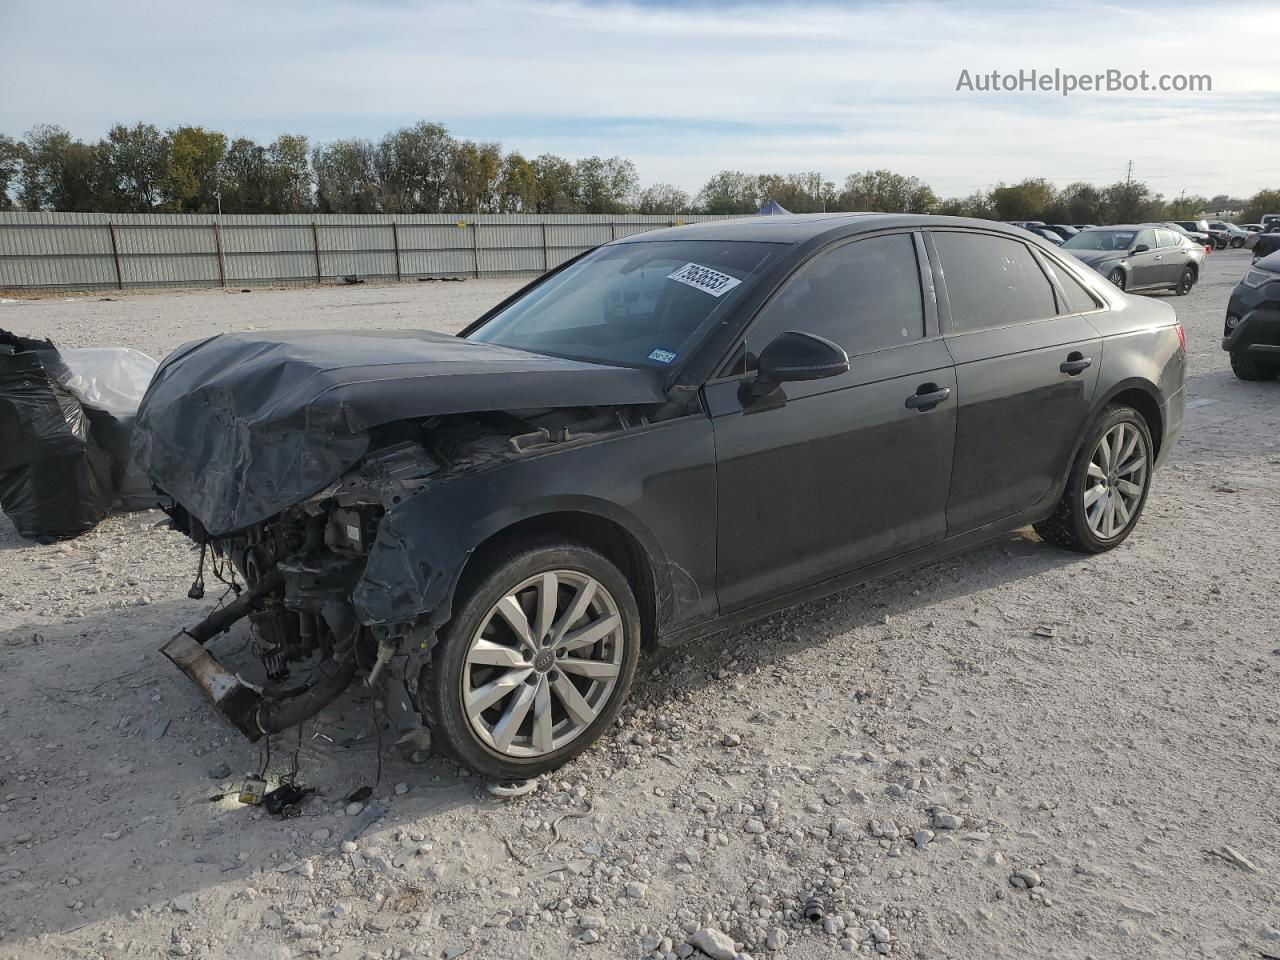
(1182, 337)
(1208, 250)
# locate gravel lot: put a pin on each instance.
(1017, 753)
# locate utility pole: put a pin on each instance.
(1128, 177)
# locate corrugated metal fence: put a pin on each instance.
(130, 250)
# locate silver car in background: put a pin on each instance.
(1141, 257)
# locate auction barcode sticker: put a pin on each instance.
(705, 279)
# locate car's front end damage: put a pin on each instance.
(291, 460)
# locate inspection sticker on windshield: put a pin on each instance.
(662, 356)
(705, 279)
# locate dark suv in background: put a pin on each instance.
(1252, 332)
(1140, 257)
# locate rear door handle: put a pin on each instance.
(928, 396)
(1075, 363)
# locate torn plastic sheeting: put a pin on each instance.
(241, 426)
(113, 379)
(55, 480)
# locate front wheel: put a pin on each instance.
(1107, 485)
(1116, 276)
(1237, 243)
(536, 662)
(1186, 281)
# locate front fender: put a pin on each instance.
(657, 483)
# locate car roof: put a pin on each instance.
(801, 227)
(1127, 226)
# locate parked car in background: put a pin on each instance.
(1251, 227)
(1144, 256)
(1264, 245)
(1252, 332)
(1045, 233)
(1270, 222)
(1236, 236)
(1064, 230)
(786, 406)
(1084, 226)
(1197, 230)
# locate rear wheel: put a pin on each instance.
(536, 662)
(1107, 485)
(1248, 367)
(1237, 243)
(1186, 280)
(1116, 276)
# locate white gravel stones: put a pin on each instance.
(775, 939)
(714, 943)
(1025, 879)
(753, 825)
(947, 821)
(923, 837)
(884, 829)
(843, 827)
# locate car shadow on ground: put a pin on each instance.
(109, 749)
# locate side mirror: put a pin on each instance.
(795, 356)
(1140, 248)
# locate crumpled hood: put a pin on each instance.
(240, 426)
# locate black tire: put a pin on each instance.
(1068, 526)
(1237, 243)
(440, 689)
(1117, 278)
(1248, 367)
(1186, 281)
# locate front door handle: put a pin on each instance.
(1075, 364)
(1158, 257)
(928, 396)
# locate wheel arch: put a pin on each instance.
(622, 546)
(1143, 397)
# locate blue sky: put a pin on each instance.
(683, 89)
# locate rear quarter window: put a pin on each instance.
(992, 281)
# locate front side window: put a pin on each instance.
(644, 304)
(863, 295)
(992, 281)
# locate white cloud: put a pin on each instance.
(682, 89)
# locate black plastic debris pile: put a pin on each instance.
(65, 422)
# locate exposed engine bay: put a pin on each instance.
(301, 569)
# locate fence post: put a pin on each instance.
(546, 261)
(315, 237)
(217, 246)
(613, 231)
(395, 239)
(115, 253)
(475, 246)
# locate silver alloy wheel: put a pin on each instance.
(543, 663)
(1116, 479)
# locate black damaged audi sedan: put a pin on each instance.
(674, 433)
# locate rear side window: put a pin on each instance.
(1168, 238)
(992, 281)
(863, 295)
(1079, 299)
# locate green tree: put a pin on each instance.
(134, 160)
(1028, 200)
(190, 181)
(1260, 204)
(886, 192)
(1130, 201)
(13, 156)
(475, 177)
(977, 204)
(518, 187)
(730, 191)
(662, 198)
(605, 185)
(289, 179)
(60, 173)
(413, 166)
(1077, 203)
(555, 184)
(346, 181)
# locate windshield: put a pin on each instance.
(1101, 240)
(633, 304)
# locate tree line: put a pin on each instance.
(424, 169)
